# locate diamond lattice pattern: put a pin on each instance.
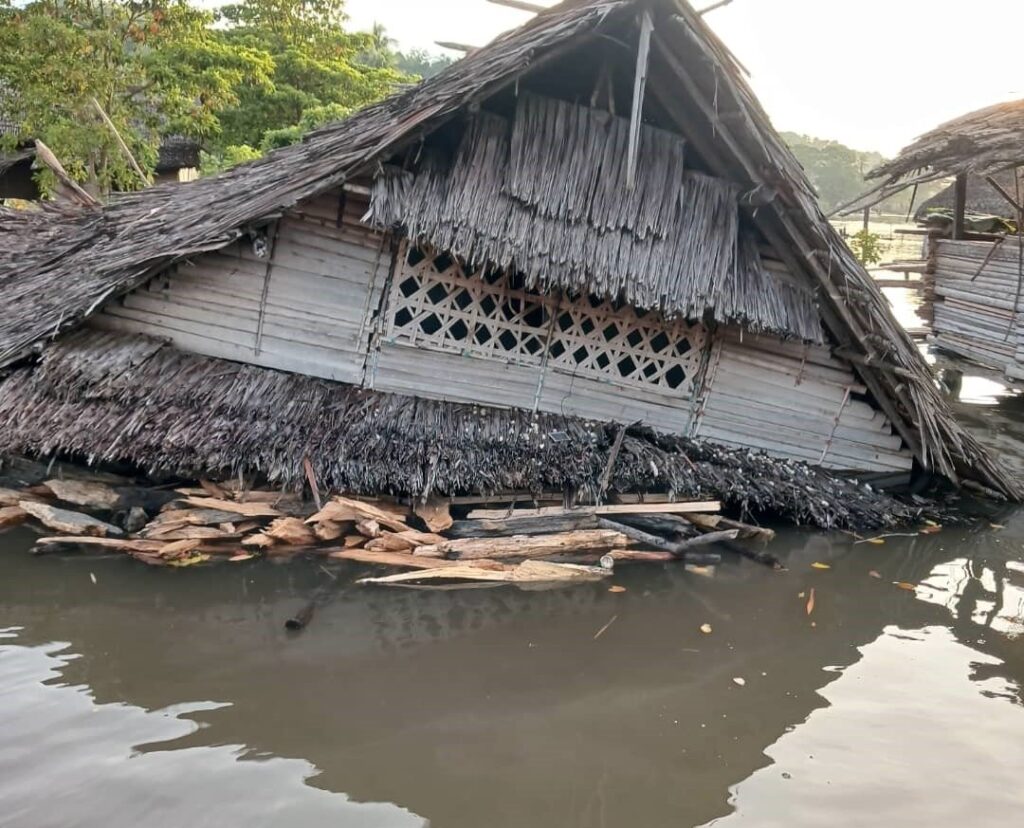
(436, 303)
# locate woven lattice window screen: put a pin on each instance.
(436, 303)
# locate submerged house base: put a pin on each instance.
(117, 399)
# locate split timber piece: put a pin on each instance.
(746, 532)
(608, 509)
(542, 525)
(676, 549)
(526, 546)
(527, 572)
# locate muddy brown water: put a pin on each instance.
(132, 696)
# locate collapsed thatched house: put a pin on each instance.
(976, 278)
(588, 221)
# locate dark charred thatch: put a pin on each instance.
(115, 398)
(695, 87)
(177, 152)
(981, 143)
(546, 195)
(982, 198)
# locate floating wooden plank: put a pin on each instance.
(291, 531)
(527, 546)
(12, 516)
(84, 493)
(255, 509)
(12, 497)
(516, 525)
(68, 522)
(403, 541)
(525, 572)
(608, 509)
(745, 530)
(122, 544)
(403, 559)
(434, 513)
(341, 509)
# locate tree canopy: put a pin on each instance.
(242, 79)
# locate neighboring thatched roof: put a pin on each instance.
(177, 152)
(693, 83)
(982, 198)
(981, 143)
(125, 398)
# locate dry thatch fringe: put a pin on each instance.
(981, 143)
(545, 195)
(115, 398)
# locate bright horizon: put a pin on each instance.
(806, 57)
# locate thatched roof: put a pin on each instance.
(177, 152)
(123, 398)
(53, 281)
(981, 143)
(982, 197)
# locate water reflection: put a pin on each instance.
(68, 761)
(497, 707)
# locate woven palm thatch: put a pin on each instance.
(53, 280)
(546, 195)
(981, 143)
(119, 398)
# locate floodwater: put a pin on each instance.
(141, 697)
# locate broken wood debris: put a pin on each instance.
(435, 540)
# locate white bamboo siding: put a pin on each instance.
(303, 309)
(794, 401)
(976, 289)
(326, 303)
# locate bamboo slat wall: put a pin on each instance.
(977, 288)
(303, 306)
(794, 401)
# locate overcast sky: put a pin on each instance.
(873, 74)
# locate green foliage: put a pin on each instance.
(420, 63)
(154, 66)
(316, 65)
(837, 173)
(867, 247)
(211, 163)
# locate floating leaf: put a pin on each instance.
(241, 556)
(874, 574)
(931, 529)
(817, 565)
(706, 629)
(192, 560)
(875, 541)
(740, 681)
(997, 526)
(810, 602)
(801, 595)
(905, 585)
(616, 589)
(92, 577)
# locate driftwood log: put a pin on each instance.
(527, 546)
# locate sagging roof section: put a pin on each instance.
(51, 285)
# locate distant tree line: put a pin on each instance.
(837, 173)
(242, 79)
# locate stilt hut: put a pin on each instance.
(580, 258)
(975, 274)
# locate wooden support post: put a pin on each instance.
(867, 219)
(960, 206)
(639, 86)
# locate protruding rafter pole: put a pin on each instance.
(523, 5)
(960, 206)
(710, 8)
(456, 47)
(639, 86)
